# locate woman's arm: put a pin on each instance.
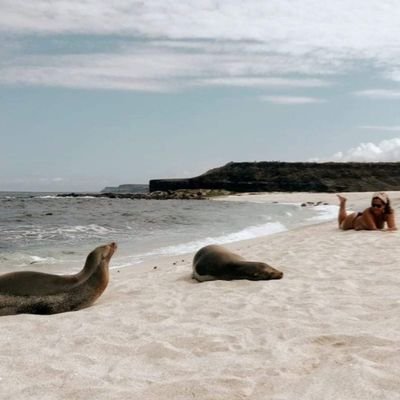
(391, 222)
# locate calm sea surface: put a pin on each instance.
(42, 229)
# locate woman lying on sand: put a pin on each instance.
(372, 218)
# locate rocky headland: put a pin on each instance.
(277, 176)
(274, 176)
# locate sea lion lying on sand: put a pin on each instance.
(40, 293)
(215, 262)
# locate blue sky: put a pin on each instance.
(96, 93)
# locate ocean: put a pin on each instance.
(57, 233)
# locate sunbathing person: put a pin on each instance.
(372, 218)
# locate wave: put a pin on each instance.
(325, 213)
(22, 260)
(65, 232)
(64, 197)
(183, 248)
(45, 260)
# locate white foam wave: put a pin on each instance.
(325, 213)
(88, 228)
(64, 197)
(183, 248)
(247, 233)
(23, 260)
(127, 262)
(67, 232)
(37, 259)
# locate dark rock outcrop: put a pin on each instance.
(127, 188)
(290, 177)
(156, 195)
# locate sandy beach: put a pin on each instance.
(328, 330)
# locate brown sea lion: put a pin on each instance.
(215, 262)
(40, 293)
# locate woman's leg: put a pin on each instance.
(342, 209)
(345, 221)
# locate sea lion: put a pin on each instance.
(40, 293)
(215, 262)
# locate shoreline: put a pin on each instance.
(248, 222)
(358, 199)
(327, 330)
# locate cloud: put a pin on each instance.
(379, 94)
(285, 22)
(394, 74)
(148, 67)
(384, 151)
(291, 100)
(265, 82)
(163, 46)
(381, 128)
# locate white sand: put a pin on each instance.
(328, 330)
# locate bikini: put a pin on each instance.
(359, 214)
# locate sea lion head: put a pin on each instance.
(108, 250)
(101, 255)
(264, 272)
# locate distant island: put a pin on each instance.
(126, 188)
(290, 177)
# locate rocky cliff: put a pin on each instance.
(291, 177)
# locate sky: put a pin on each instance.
(98, 93)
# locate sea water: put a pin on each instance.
(59, 232)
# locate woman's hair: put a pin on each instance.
(384, 198)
